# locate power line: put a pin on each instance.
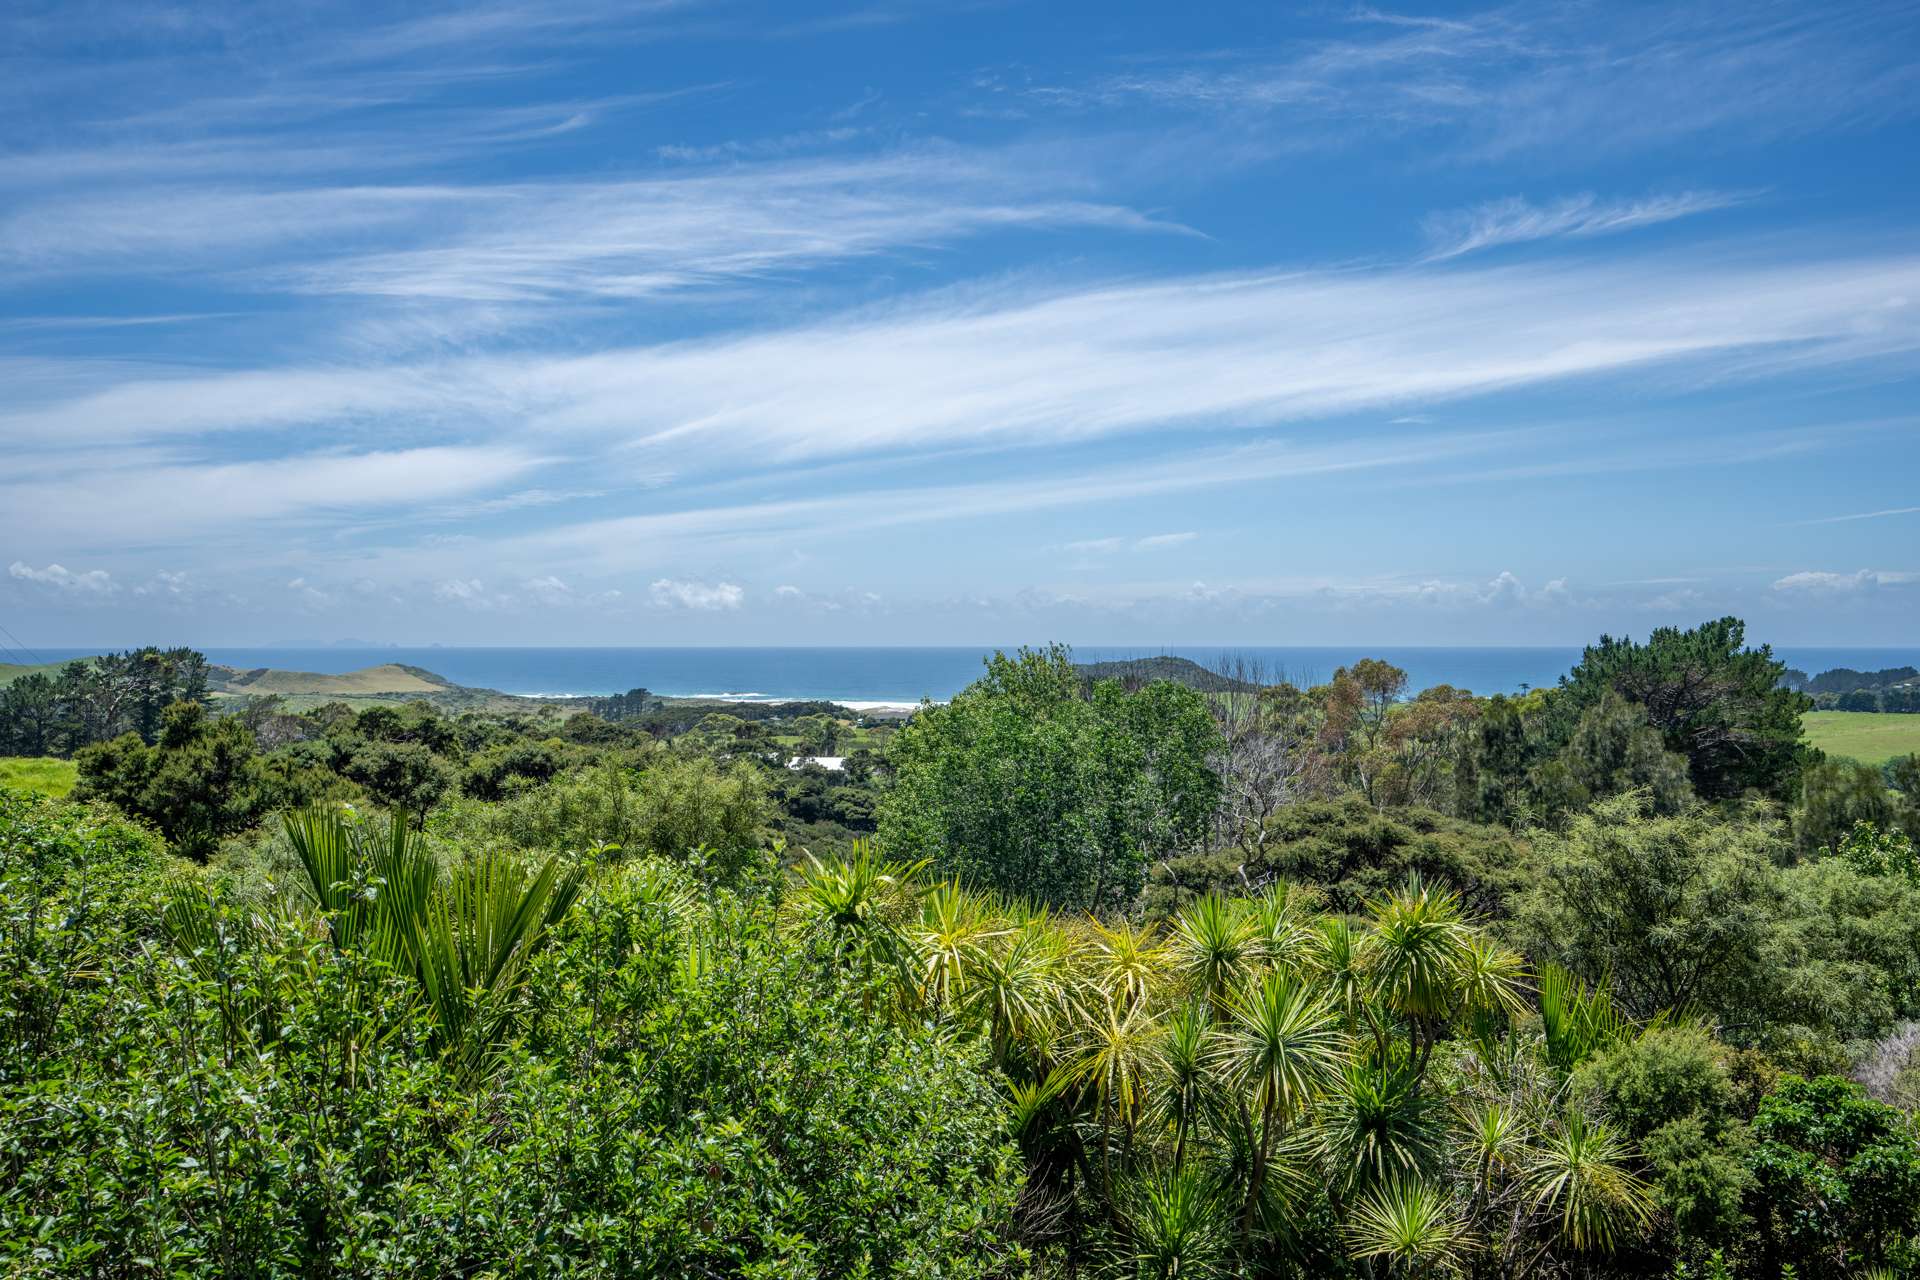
(21, 648)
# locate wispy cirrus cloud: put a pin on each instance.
(1864, 515)
(533, 242)
(1517, 220)
(1152, 542)
(1015, 367)
(1520, 79)
(161, 503)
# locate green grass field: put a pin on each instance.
(37, 773)
(1867, 736)
(11, 671)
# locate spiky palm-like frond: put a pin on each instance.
(949, 942)
(1378, 1127)
(1178, 1226)
(471, 941)
(1336, 962)
(1418, 950)
(1185, 1052)
(1283, 924)
(464, 938)
(1021, 989)
(1283, 1041)
(1410, 1225)
(1493, 1137)
(1578, 1178)
(1492, 978)
(1577, 1023)
(1214, 946)
(1028, 1100)
(1120, 1055)
(1125, 962)
(860, 902)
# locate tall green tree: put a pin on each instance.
(1029, 784)
(1714, 701)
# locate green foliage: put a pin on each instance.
(1023, 785)
(1579, 1177)
(1835, 795)
(272, 1102)
(1354, 853)
(1177, 1227)
(1873, 852)
(1672, 1091)
(1849, 946)
(92, 700)
(1411, 1226)
(401, 775)
(1696, 912)
(1614, 750)
(201, 780)
(492, 773)
(578, 1019)
(1720, 705)
(1836, 1180)
(1672, 911)
(682, 806)
(1576, 1022)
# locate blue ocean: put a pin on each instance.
(910, 674)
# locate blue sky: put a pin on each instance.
(1138, 324)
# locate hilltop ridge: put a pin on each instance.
(1139, 671)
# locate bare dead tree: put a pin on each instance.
(1269, 757)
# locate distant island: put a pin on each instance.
(1134, 672)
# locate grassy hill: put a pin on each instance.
(11, 671)
(1870, 737)
(389, 678)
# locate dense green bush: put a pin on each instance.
(1031, 784)
(693, 1091)
(200, 780)
(1354, 853)
(1836, 1181)
(1673, 1091)
(1701, 912)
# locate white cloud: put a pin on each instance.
(668, 593)
(125, 502)
(1022, 367)
(1106, 546)
(1865, 515)
(630, 541)
(92, 582)
(1859, 581)
(548, 241)
(1515, 220)
(1535, 78)
(468, 591)
(177, 586)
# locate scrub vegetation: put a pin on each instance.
(1084, 973)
